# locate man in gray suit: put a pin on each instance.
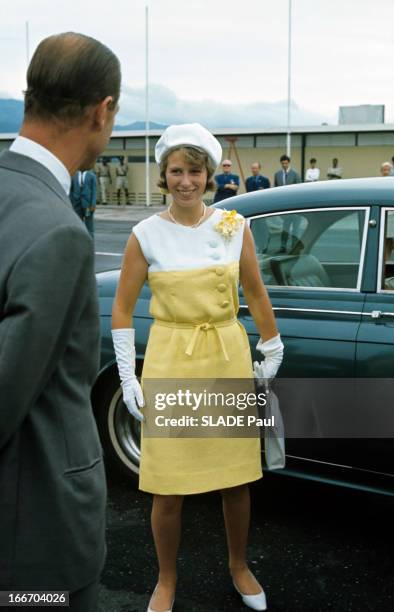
(291, 223)
(52, 482)
(286, 176)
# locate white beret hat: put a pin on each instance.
(190, 135)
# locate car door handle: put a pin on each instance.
(378, 314)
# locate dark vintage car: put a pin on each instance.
(325, 254)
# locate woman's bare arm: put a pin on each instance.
(132, 277)
(255, 292)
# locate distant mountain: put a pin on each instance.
(11, 114)
(140, 125)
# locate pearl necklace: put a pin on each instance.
(204, 209)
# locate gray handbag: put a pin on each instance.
(274, 441)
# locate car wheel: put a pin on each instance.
(120, 433)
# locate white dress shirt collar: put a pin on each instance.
(25, 146)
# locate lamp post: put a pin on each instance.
(288, 138)
(27, 38)
(147, 179)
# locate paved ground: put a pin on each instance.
(132, 213)
(112, 229)
(315, 548)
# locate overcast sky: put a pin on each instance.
(223, 62)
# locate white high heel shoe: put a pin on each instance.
(256, 602)
(150, 609)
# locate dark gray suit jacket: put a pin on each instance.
(52, 483)
(291, 178)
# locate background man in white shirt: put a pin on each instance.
(312, 174)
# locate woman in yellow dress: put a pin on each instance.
(193, 258)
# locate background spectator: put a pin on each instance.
(312, 174)
(122, 181)
(257, 181)
(227, 183)
(386, 169)
(335, 172)
(83, 197)
(105, 180)
(286, 176)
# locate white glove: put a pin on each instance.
(272, 350)
(123, 340)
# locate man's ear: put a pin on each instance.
(100, 112)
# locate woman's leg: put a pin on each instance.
(166, 529)
(236, 512)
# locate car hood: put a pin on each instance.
(107, 283)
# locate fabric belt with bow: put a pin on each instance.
(200, 327)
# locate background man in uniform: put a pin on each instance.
(122, 180)
(257, 181)
(105, 180)
(52, 482)
(83, 197)
(286, 176)
(227, 183)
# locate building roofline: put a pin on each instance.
(312, 129)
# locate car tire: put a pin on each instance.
(120, 433)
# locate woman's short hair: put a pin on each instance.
(194, 156)
(68, 73)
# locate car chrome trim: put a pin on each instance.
(371, 314)
(379, 280)
(363, 246)
(366, 209)
(319, 461)
(298, 288)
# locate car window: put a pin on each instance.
(388, 252)
(319, 249)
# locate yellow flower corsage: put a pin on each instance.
(229, 224)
